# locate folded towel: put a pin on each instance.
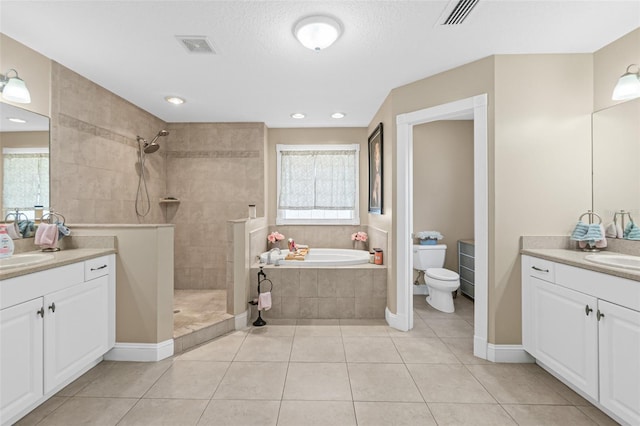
(579, 231)
(47, 235)
(619, 231)
(14, 231)
(264, 301)
(594, 233)
(432, 235)
(610, 231)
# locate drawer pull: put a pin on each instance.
(52, 307)
(587, 310)
(539, 269)
(98, 268)
(599, 315)
(40, 312)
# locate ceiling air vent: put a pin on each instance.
(461, 9)
(196, 44)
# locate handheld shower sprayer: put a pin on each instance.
(145, 147)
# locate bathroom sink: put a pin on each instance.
(617, 260)
(26, 259)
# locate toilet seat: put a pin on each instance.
(441, 274)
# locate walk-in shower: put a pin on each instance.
(142, 194)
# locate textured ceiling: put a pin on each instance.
(261, 73)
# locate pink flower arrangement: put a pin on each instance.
(359, 236)
(275, 236)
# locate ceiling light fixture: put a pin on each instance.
(16, 120)
(338, 115)
(317, 32)
(628, 86)
(298, 115)
(14, 89)
(174, 100)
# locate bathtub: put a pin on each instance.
(319, 257)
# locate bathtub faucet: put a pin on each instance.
(269, 255)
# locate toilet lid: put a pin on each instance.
(442, 274)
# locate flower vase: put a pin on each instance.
(275, 244)
(359, 245)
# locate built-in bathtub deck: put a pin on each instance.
(339, 292)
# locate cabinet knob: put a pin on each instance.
(52, 307)
(40, 312)
(587, 310)
(599, 315)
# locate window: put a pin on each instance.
(318, 184)
(26, 178)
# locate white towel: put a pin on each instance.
(603, 242)
(610, 231)
(264, 301)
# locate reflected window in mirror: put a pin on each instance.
(24, 161)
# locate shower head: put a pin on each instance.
(154, 146)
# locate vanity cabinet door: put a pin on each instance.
(76, 329)
(565, 333)
(620, 361)
(21, 329)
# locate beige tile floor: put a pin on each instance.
(328, 373)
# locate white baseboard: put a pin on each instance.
(508, 353)
(241, 320)
(395, 320)
(420, 289)
(141, 352)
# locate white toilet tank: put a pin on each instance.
(428, 256)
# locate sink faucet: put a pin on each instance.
(269, 255)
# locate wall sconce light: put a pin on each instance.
(628, 86)
(14, 89)
(317, 32)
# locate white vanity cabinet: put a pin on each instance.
(584, 326)
(54, 325)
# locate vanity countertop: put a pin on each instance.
(60, 258)
(577, 258)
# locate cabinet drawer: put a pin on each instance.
(543, 269)
(467, 275)
(98, 267)
(466, 261)
(467, 249)
(467, 288)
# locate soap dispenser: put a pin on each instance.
(6, 243)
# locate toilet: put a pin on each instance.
(440, 282)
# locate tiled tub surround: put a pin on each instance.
(327, 293)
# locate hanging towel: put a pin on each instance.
(63, 231)
(47, 235)
(602, 243)
(26, 228)
(610, 231)
(634, 232)
(619, 231)
(14, 231)
(264, 301)
(579, 231)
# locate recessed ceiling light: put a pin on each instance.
(317, 32)
(338, 115)
(298, 115)
(174, 100)
(17, 120)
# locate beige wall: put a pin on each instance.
(609, 63)
(94, 153)
(443, 182)
(216, 170)
(33, 68)
(542, 170)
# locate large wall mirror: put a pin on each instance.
(24, 163)
(616, 160)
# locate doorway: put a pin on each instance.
(474, 108)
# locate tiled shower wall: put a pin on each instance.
(94, 153)
(216, 170)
